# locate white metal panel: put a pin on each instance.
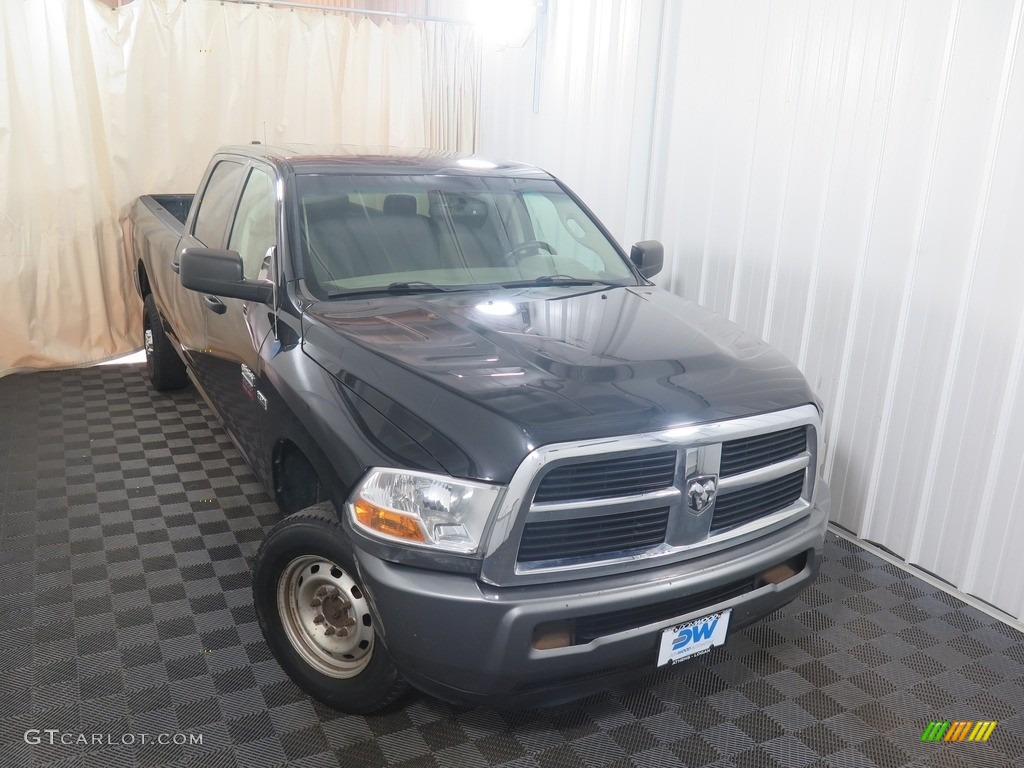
(845, 179)
(880, 246)
(961, 440)
(890, 255)
(985, 393)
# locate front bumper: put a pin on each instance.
(465, 641)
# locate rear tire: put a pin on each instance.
(166, 370)
(315, 614)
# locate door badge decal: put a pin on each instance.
(248, 376)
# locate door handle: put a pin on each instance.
(176, 267)
(215, 305)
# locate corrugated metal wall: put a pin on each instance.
(845, 179)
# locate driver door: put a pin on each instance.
(236, 329)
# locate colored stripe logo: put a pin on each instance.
(958, 730)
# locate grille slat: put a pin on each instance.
(607, 478)
(592, 536)
(552, 548)
(761, 450)
(626, 528)
(590, 473)
(580, 550)
(740, 507)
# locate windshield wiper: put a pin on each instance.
(416, 286)
(413, 286)
(562, 280)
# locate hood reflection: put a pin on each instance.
(548, 357)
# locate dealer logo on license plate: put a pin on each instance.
(693, 638)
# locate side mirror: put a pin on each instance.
(649, 257)
(217, 272)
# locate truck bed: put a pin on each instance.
(154, 227)
(175, 205)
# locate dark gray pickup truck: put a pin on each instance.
(511, 469)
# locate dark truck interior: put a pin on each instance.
(456, 234)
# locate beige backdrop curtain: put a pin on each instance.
(98, 106)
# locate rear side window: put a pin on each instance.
(253, 231)
(215, 207)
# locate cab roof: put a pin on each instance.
(344, 158)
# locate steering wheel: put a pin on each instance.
(532, 244)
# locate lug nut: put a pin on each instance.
(318, 619)
(330, 631)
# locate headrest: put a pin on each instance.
(468, 211)
(321, 207)
(401, 205)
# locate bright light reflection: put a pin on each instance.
(496, 308)
(476, 163)
(679, 432)
(505, 23)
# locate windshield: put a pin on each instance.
(410, 233)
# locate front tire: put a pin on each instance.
(315, 615)
(166, 370)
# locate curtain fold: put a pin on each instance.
(99, 106)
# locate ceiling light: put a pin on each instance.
(506, 23)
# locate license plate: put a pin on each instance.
(693, 638)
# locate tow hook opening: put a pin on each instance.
(783, 571)
(553, 634)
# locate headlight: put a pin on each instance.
(420, 508)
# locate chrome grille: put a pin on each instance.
(741, 507)
(605, 478)
(740, 456)
(617, 504)
(592, 536)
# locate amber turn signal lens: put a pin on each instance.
(387, 522)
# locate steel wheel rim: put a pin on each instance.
(325, 616)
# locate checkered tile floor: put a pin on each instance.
(127, 530)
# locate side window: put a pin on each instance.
(253, 231)
(564, 235)
(215, 207)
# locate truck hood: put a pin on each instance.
(555, 363)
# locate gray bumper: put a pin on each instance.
(469, 642)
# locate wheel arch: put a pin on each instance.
(143, 280)
(301, 477)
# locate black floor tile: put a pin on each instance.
(114, 625)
